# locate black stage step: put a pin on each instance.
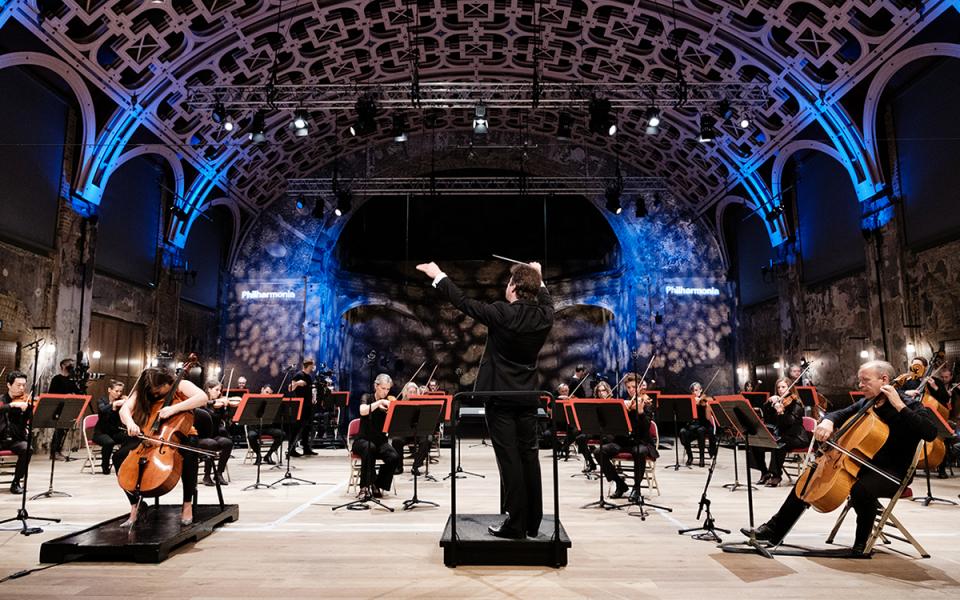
(151, 540)
(477, 547)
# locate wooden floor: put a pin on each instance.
(289, 544)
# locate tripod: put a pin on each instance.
(257, 485)
(460, 473)
(288, 478)
(22, 514)
(709, 527)
(929, 498)
(736, 471)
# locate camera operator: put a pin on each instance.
(63, 383)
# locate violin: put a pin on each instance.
(153, 469)
(915, 372)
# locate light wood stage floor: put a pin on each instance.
(289, 544)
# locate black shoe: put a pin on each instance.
(294, 454)
(763, 479)
(309, 452)
(621, 489)
(859, 551)
(221, 480)
(773, 482)
(635, 496)
(207, 481)
(507, 531)
(105, 469)
(16, 488)
(533, 532)
(376, 492)
(701, 461)
(268, 460)
(415, 471)
(689, 457)
(764, 533)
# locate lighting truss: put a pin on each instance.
(462, 94)
(474, 186)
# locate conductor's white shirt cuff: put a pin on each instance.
(437, 279)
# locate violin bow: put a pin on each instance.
(802, 373)
(160, 442)
(414, 376)
(432, 373)
(574, 390)
(710, 383)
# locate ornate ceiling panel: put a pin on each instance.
(153, 52)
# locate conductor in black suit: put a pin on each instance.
(516, 331)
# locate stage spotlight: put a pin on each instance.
(299, 125)
(601, 122)
(864, 354)
(258, 128)
(613, 198)
(480, 123)
(344, 202)
(399, 128)
(744, 122)
(725, 110)
(564, 126)
(366, 122)
(640, 210)
(775, 213)
(653, 117)
(299, 203)
(227, 123)
(318, 209)
(708, 129)
(219, 113)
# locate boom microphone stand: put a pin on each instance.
(22, 514)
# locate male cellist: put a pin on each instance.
(909, 422)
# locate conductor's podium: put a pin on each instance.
(475, 546)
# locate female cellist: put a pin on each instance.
(907, 422)
(788, 420)
(154, 384)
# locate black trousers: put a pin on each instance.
(863, 498)
(575, 438)
(697, 431)
(253, 438)
(219, 443)
(22, 450)
(305, 433)
(419, 453)
(513, 432)
(107, 443)
(369, 453)
(607, 451)
(756, 460)
(188, 475)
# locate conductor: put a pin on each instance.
(517, 330)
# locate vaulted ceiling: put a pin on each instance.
(145, 55)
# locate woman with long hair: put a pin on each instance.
(152, 387)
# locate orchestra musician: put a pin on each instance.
(254, 434)
(576, 384)
(700, 429)
(639, 443)
(516, 332)
(302, 386)
(788, 413)
(109, 431)
(748, 386)
(421, 453)
(14, 408)
(909, 423)
(212, 430)
(433, 386)
(371, 443)
(575, 437)
(154, 384)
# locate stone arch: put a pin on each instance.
(792, 148)
(231, 206)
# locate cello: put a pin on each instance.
(826, 483)
(154, 468)
(933, 452)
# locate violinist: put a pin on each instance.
(748, 386)
(212, 430)
(371, 443)
(421, 453)
(433, 387)
(701, 429)
(14, 407)
(908, 421)
(639, 443)
(788, 421)
(254, 434)
(910, 381)
(109, 432)
(154, 384)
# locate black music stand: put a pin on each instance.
(460, 472)
(447, 412)
(254, 409)
(740, 415)
(943, 432)
(289, 408)
(417, 419)
(709, 527)
(681, 408)
(598, 417)
(57, 411)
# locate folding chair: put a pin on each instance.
(624, 464)
(353, 482)
(886, 517)
(94, 451)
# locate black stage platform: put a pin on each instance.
(477, 547)
(151, 540)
